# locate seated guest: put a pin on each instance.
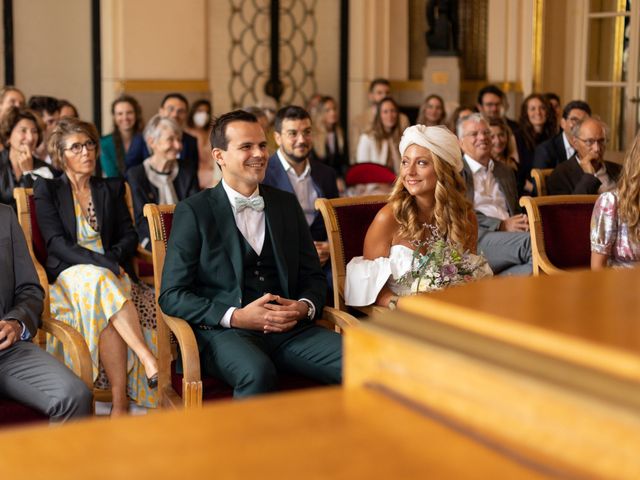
(432, 111)
(552, 152)
(329, 145)
(428, 194)
(121, 149)
(586, 172)
(379, 89)
(28, 374)
(20, 133)
(615, 223)
(176, 107)
(503, 233)
(198, 125)
(379, 144)
(537, 124)
(67, 109)
(292, 170)
(160, 179)
(90, 242)
(10, 96)
(463, 111)
(242, 270)
(48, 110)
(556, 106)
(502, 146)
(493, 104)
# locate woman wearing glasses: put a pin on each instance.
(90, 242)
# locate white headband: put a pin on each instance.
(438, 139)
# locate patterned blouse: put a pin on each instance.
(609, 236)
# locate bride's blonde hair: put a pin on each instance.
(451, 213)
(629, 191)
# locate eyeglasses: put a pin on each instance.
(486, 133)
(590, 142)
(76, 148)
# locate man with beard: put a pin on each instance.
(292, 169)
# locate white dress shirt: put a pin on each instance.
(251, 224)
(488, 197)
(569, 150)
(302, 186)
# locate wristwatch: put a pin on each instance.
(393, 303)
(311, 309)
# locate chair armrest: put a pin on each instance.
(188, 347)
(75, 346)
(340, 319)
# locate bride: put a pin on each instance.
(428, 197)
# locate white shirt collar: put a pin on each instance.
(232, 194)
(476, 166)
(567, 146)
(289, 169)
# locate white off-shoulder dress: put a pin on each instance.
(365, 278)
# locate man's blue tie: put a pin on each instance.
(255, 203)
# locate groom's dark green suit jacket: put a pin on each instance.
(203, 269)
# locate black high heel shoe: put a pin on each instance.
(152, 381)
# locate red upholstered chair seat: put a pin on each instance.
(353, 222)
(566, 229)
(369, 173)
(37, 240)
(14, 413)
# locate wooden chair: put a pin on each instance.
(540, 179)
(29, 223)
(72, 341)
(189, 388)
(142, 262)
(560, 231)
(347, 221)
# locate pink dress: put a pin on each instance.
(610, 236)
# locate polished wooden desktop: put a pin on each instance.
(326, 433)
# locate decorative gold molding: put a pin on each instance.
(537, 44)
(164, 85)
(618, 46)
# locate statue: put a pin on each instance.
(442, 33)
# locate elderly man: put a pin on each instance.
(586, 172)
(28, 374)
(551, 153)
(503, 233)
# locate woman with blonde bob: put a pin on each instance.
(428, 196)
(615, 222)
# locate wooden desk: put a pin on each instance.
(551, 364)
(325, 433)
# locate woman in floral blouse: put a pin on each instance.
(615, 223)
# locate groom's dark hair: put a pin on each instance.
(218, 135)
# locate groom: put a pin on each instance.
(242, 269)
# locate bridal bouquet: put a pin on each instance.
(443, 265)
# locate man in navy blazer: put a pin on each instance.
(293, 170)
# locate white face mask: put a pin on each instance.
(201, 119)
